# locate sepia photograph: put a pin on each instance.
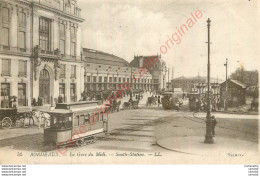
(129, 82)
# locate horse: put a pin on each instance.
(42, 118)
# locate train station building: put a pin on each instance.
(42, 60)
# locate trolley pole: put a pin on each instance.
(208, 137)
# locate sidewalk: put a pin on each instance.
(195, 145)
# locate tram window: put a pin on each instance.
(101, 116)
(81, 120)
(68, 122)
(62, 122)
(92, 120)
(54, 122)
(96, 115)
(76, 121)
(86, 118)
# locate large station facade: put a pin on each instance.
(41, 56)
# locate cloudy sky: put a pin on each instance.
(139, 27)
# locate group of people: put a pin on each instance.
(200, 104)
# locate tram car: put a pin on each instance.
(68, 120)
(194, 101)
(171, 101)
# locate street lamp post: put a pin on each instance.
(208, 137)
(131, 84)
(226, 94)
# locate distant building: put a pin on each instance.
(189, 84)
(157, 70)
(236, 92)
(105, 71)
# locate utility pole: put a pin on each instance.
(226, 92)
(131, 84)
(208, 137)
(168, 79)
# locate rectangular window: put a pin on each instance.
(94, 79)
(72, 92)
(100, 79)
(115, 79)
(62, 71)
(73, 9)
(22, 39)
(45, 26)
(67, 8)
(62, 5)
(61, 93)
(5, 95)
(22, 68)
(110, 79)
(73, 49)
(62, 46)
(5, 36)
(73, 32)
(124, 80)
(62, 29)
(73, 71)
(6, 15)
(6, 67)
(128, 80)
(119, 80)
(22, 19)
(105, 79)
(88, 79)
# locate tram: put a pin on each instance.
(77, 122)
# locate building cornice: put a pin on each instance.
(57, 12)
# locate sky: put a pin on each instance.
(140, 27)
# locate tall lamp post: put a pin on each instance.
(131, 84)
(226, 92)
(208, 137)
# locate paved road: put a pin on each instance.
(138, 130)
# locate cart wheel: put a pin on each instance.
(6, 123)
(21, 122)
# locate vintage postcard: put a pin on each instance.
(129, 82)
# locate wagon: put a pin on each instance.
(127, 105)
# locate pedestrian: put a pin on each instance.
(159, 101)
(218, 103)
(214, 123)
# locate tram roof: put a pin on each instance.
(66, 108)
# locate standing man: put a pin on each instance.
(214, 123)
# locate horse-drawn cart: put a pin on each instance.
(10, 117)
(131, 104)
(151, 101)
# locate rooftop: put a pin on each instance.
(99, 57)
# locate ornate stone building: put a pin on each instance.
(40, 51)
(157, 69)
(105, 71)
